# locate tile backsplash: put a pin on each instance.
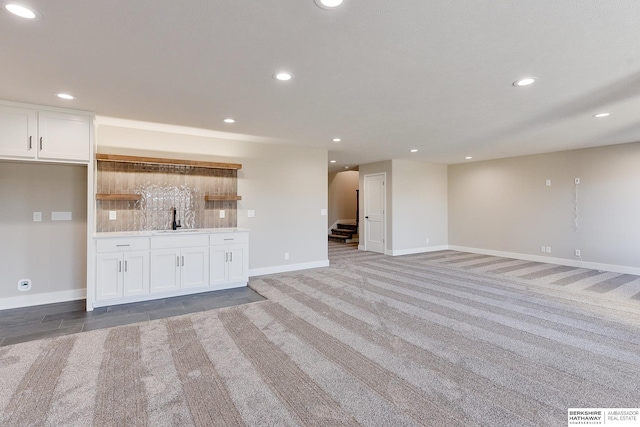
(163, 188)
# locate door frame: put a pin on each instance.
(384, 209)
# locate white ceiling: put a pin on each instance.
(386, 76)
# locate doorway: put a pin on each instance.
(374, 212)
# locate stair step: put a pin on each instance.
(348, 227)
(342, 239)
(337, 231)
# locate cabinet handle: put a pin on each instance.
(230, 239)
(125, 266)
(183, 260)
(119, 266)
(40, 143)
(177, 261)
(226, 257)
(231, 256)
(124, 245)
(30, 145)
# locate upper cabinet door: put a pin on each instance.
(63, 136)
(18, 132)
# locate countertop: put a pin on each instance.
(150, 233)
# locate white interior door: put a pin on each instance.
(374, 212)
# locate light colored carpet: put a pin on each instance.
(372, 340)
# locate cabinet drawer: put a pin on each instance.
(122, 244)
(228, 238)
(179, 241)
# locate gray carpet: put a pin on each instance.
(440, 339)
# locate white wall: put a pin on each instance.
(342, 195)
(50, 253)
(419, 200)
(504, 205)
(285, 185)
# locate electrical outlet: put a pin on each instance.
(222, 214)
(112, 215)
(548, 183)
(24, 285)
(251, 213)
(286, 256)
(577, 252)
(37, 216)
(548, 249)
(543, 249)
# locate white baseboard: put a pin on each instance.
(551, 260)
(288, 267)
(412, 251)
(40, 299)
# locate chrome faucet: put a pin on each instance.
(175, 225)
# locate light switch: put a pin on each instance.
(221, 213)
(37, 216)
(61, 216)
(251, 213)
(548, 183)
(323, 212)
(112, 215)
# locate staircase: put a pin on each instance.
(344, 233)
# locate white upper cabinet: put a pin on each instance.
(63, 136)
(18, 132)
(41, 134)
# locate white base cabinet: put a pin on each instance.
(145, 267)
(173, 269)
(229, 259)
(121, 269)
(49, 135)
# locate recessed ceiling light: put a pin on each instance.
(336, 139)
(328, 4)
(66, 96)
(601, 115)
(524, 82)
(283, 76)
(229, 120)
(415, 150)
(468, 158)
(332, 161)
(23, 11)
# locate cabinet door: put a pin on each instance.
(109, 276)
(136, 273)
(165, 270)
(218, 272)
(63, 136)
(18, 132)
(195, 267)
(238, 263)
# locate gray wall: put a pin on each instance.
(285, 185)
(50, 253)
(419, 200)
(416, 205)
(505, 205)
(342, 195)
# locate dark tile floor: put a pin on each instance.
(51, 320)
